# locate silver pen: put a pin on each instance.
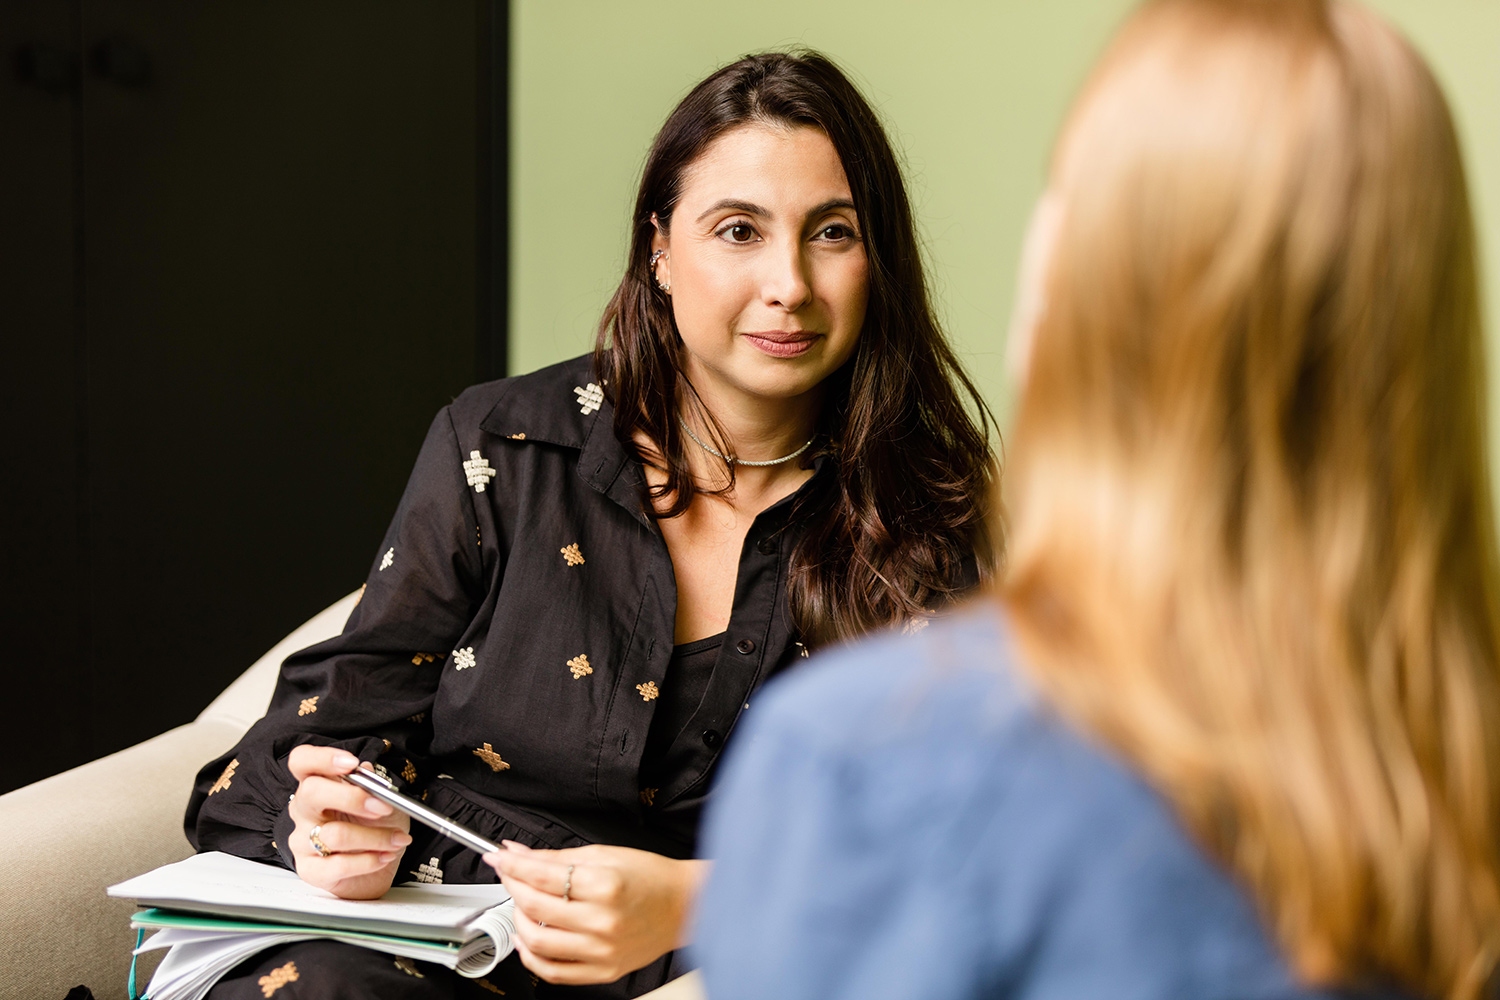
(384, 789)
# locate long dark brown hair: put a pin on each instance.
(892, 532)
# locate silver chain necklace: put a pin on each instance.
(716, 453)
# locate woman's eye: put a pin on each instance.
(740, 232)
(836, 233)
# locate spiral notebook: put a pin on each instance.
(215, 910)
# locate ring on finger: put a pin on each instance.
(568, 883)
(316, 841)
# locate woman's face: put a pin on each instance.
(766, 264)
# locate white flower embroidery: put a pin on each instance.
(430, 872)
(589, 398)
(477, 470)
(463, 659)
(387, 559)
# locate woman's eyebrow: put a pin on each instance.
(829, 206)
(749, 208)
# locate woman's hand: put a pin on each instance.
(624, 908)
(365, 837)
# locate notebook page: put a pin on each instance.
(222, 880)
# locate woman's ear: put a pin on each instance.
(1031, 284)
(661, 260)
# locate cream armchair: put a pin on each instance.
(77, 832)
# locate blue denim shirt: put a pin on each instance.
(905, 818)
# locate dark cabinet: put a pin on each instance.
(246, 251)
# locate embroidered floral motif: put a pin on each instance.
(430, 872)
(416, 718)
(387, 559)
(308, 706)
(360, 596)
(417, 659)
(478, 472)
(409, 967)
(463, 659)
(571, 555)
(580, 666)
(648, 796)
(380, 768)
(489, 986)
(517, 437)
(589, 398)
(409, 772)
(224, 779)
(801, 650)
(278, 978)
(648, 690)
(487, 754)
(387, 746)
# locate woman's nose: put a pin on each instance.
(787, 281)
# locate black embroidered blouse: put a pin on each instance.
(512, 645)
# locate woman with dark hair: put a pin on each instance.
(595, 566)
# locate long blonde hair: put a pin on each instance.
(1251, 535)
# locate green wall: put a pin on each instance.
(972, 92)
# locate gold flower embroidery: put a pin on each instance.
(486, 984)
(409, 772)
(580, 666)
(308, 706)
(648, 690)
(416, 718)
(571, 554)
(514, 437)
(224, 779)
(648, 796)
(487, 754)
(409, 967)
(278, 978)
(417, 659)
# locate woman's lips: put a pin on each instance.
(782, 345)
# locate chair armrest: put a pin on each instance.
(688, 987)
(79, 831)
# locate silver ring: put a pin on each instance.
(317, 841)
(568, 883)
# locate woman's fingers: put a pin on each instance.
(561, 945)
(561, 973)
(339, 867)
(306, 760)
(319, 798)
(570, 915)
(345, 838)
(553, 872)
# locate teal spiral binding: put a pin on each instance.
(140, 935)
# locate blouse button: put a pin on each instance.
(712, 739)
(766, 546)
(746, 646)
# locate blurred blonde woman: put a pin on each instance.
(1233, 730)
